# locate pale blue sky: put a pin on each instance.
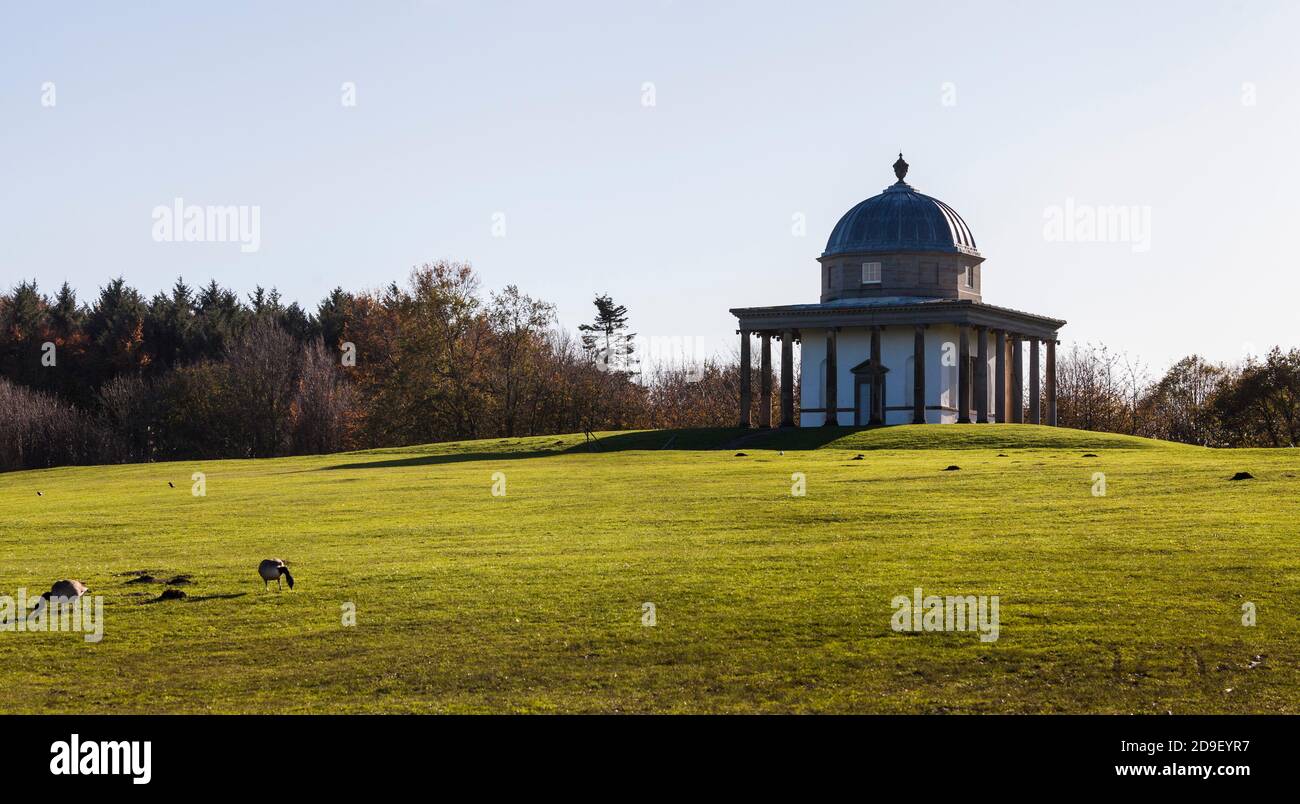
(681, 210)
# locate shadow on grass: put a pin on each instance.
(796, 438)
(714, 438)
(448, 457)
(896, 437)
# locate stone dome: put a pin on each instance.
(898, 220)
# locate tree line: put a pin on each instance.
(205, 373)
(1254, 403)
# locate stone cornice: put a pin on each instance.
(949, 311)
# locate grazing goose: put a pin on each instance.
(273, 569)
(66, 589)
(62, 591)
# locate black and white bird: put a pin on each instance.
(273, 569)
(62, 592)
(66, 589)
(171, 485)
(38, 494)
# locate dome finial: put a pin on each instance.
(900, 167)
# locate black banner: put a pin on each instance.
(180, 754)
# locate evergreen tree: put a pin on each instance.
(66, 315)
(332, 316)
(606, 340)
(24, 318)
(168, 327)
(220, 317)
(115, 329)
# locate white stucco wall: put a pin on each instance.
(896, 349)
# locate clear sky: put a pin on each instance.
(684, 208)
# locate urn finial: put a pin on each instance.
(900, 167)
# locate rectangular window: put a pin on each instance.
(970, 277)
(871, 273)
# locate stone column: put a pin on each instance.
(787, 378)
(832, 400)
(982, 376)
(1017, 380)
(1051, 382)
(765, 382)
(877, 380)
(1000, 376)
(963, 377)
(918, 376)
(1035, 408)
(745, 391)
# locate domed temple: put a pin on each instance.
(902, 334)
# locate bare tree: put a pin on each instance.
(126, 403)
(1089, 395)
(38, 431)
(322, 403)
(1134, 383)
(264, 365)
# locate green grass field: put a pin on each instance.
(765, 602)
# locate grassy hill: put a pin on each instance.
(532, 601)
